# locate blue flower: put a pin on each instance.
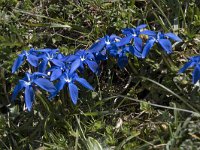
(56, 71)
(161, 38)
(29, 82)
(25, 55)
(193, 62)
(120, 52)
(132, 33)
(104, 42)
(70, 79)
(80, 58)
(49, 55)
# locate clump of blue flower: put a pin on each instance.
(56, 71)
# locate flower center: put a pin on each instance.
(49, 56)
(134, 34)
(82, 58)
(117, 40)
(68, 80)
(27, 83)
(26, 53)
(107, 42)
(119, 50)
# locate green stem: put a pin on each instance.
(99, 88)
(170, 64)
(132, 67)
(43, 101)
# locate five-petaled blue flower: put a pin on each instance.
(193, 62)
(25, 55)
(132, 33)
(70, 79)
(104, 43)
(29, 82)
(82, 57)
(161, 38)
(48, 55)
(121, 54)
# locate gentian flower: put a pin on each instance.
(25, 55)
(121, 54)
(104, 42)
(70, 79)
(132, 33)
(82, 57)
(56, 71)
(29, 82)
(161, 38)
(99, 49)
(193, 62)
(48, 55)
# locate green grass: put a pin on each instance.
(158, 109)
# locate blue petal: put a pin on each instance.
(57, 62)
(147, 47)
(98, 46)
(75, 65)
(56, 74)
(59, 86)
(135, 52)
(61, 83)
(52, 95)
(71, 58)
(80, 52)
(90, 55)
(138, 43)
(113, 37)
(45, 84)
(73, 92)
(39, 74)
(92, 65)
(141, 26)
(17, 89)
(196, 74)
(186, 66)
(149, 33)
(173, 37)
(29, 97)
(84, 83)
(43, 65)
(124, 41)
(60, 56)
(18, 62)
(195, 58)
(127, 31)
(166, 45)
(33, 60)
